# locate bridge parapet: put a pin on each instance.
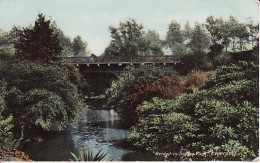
(122, 60)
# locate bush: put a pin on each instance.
(136, 85)
(7, 142)
(161, 132)
(195, 78)
(40, 95)
(191, 62)
(220, 114)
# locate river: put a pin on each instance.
(98, 129)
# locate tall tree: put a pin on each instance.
(65, 41)
(39, 43)
(79, 46)
(154, 43)
(237, 33)
(175, 38)
(127, 40)
(252, 32)
(214, 26)
(187, 31)
(199, 42)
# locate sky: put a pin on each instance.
(91, 19)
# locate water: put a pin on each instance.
(98, 129)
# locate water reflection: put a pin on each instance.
(98, 129)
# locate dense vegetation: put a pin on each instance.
(220, 115)
(217, 34)
(37, 93)
(173, 119)
(170, 110)
(135, 85)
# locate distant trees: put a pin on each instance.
(79, 46)
(154, 43)
(175, 38)
(199, 41)
(232, 34)
(215, 33)
(45, 42)
(129, 39)
(39, 43)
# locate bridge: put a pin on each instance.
(117, 64)
(128, 60)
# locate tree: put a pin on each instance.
(65, 41)
(154, 43)
(236, 33)
(41, 94)
(252, 31)
(127, 40)
(7, 140)
(199, 42)
(175, 38)
(39, 43)
(79, 46)
(214, 26)
(187, 31)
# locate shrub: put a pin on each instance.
(87, 155)
(191, 62)
(161, 132)
(40, 95)
(136, 85)
(222, 113)
(195, 78)
(7, 142)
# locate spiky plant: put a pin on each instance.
(87, 155)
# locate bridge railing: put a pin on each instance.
(122, 59)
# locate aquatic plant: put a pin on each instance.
(87, 155)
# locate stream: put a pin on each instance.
(98, 129)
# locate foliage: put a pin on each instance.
(129, 39)
(41, 94)
(79, 46)
(138, 84)
(164, 87)
(7, 140)
(87, 155)
(64, 41)
(195, 78)
(175, 39)
(191, 62)
(199, 41)
(154, 44)
(158, 132)
(221, 114)
(39, 43)
(232, 34)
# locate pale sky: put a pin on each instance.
(91, 18)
